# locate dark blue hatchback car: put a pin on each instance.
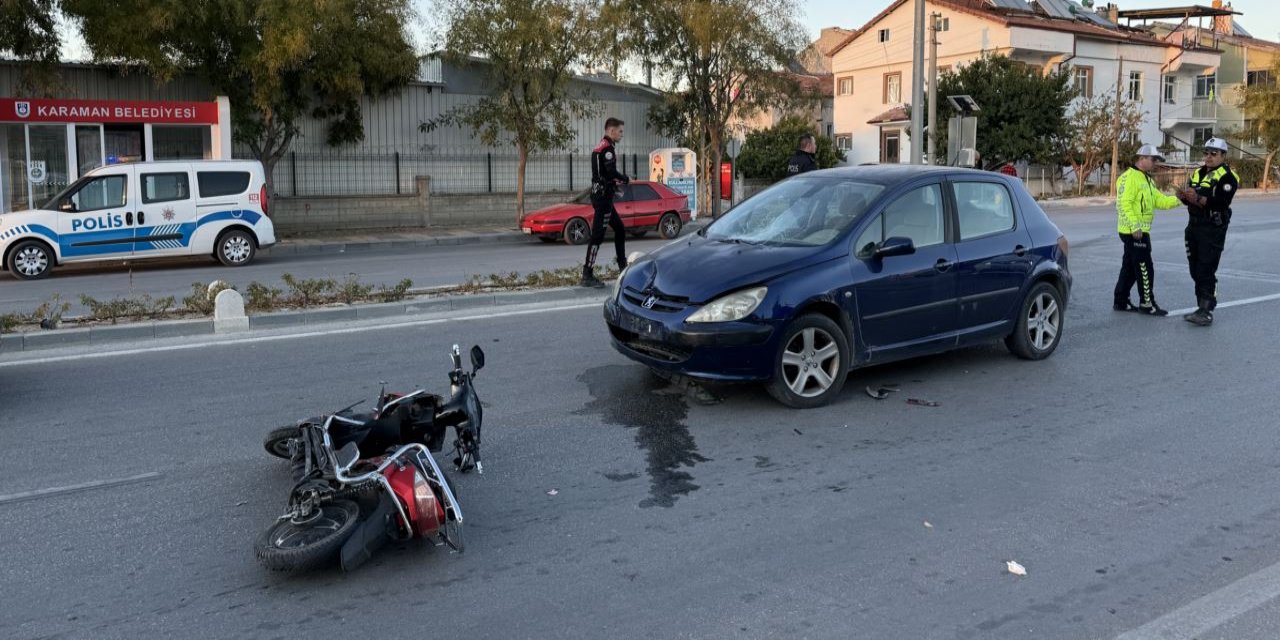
(843, 268)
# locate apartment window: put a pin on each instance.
(1259, 77)
(1135, 86)
(1200, 135)
(892, 88)
(884, 35)
(1084, 82)
(1253, 138)
(1205, 87)
(845, 86)
(946, 68)
(844, 142)
(1170, 90)
(944, 24)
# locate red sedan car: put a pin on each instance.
(643, 206)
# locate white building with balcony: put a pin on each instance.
(872, 67)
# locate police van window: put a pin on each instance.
(164, 187)
(222, 183)
(984, 209)
(103, 192)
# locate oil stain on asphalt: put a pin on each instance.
(630, 397)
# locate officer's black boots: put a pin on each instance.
(1201, 317)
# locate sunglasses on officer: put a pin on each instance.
(1212, 152)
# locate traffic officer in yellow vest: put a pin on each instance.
(1136, 202)
(1208, 196)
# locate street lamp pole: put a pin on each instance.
(917, 87)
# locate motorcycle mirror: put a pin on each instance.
(347, 456)
(477, 358)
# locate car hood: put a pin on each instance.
(555, 211)
(701, 270)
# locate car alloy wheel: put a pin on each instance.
(811, 363)
(577, 231)
(236, 248)
(1043, 321)
(670, 226)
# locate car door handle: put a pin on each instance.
(942, 265)
(128, 217)
(1019, 251)
(142, 218)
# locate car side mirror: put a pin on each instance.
(896, 246)
(67, 206)
(477, 358)
(347, 456)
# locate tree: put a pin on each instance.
(1023, 112)
(1093, 131)
(276, 60)
(1261, 106)
(529, 50)
(724, 58)
(29, 32)
(765, 153)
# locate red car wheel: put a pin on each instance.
(577, 231)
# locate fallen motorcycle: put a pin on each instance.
(361, 480)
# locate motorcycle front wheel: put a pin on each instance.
(277, 441)
(298, 546)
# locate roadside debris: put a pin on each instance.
(797, 432)
(553, 492)
(881, 393)
(922, 403)
(927, 525)
(1016, 569)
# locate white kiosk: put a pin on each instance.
(677, 168)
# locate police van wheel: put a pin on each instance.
(235, 248)
(31, 260)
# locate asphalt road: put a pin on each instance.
(1133, 474)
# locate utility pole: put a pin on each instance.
(1115, 130)
(934, 27)
(917, 87)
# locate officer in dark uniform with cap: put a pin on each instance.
(1208, 197)
(606, 180)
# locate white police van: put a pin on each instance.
(143, 210)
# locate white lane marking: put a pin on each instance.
(293, 336)
(1233, 303)
(1212, 610)
(96, 484)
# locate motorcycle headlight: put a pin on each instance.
(734, 306)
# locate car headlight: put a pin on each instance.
(734, 306)
(617, 284)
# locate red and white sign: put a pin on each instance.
(107, 111)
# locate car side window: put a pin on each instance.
(165, 187)
(984, 208)
(641, 192)
(222, 183)
(870, 239)
(105, 192)
(917, 215)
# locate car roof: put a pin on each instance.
(894, 173)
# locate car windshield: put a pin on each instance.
(803, 211)
(582, 198)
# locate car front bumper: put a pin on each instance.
(728, 351)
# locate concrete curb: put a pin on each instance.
(1080, 203)
(154, 330)
(296, 248)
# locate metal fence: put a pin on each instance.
(339, 174)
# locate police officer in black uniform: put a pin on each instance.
(804, 159)
(606, 181)
(1208, 197)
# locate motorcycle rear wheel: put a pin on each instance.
(289, 546)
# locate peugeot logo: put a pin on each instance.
(649, 302)
(22, 108)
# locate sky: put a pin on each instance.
(851, 14)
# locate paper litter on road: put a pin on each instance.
(553, 492)
(1016, 569)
